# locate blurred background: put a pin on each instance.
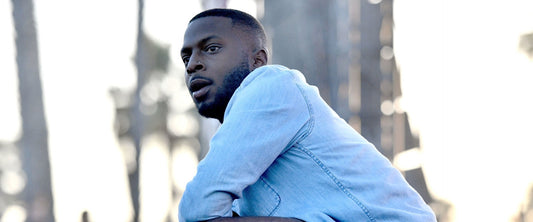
(96, 123)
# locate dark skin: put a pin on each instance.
(212, 50)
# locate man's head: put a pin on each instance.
(220, 48)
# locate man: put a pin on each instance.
(281, 153)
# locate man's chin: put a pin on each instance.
(205, 110)
(205, 113)
(211, 110)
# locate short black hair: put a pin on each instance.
(239, 18)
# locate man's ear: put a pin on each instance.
(260, 58)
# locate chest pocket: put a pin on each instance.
(259, 199)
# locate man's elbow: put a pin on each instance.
(187, 213)
(192, 216)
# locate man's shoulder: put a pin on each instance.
(272, 84)
(277, 74)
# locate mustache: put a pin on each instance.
(198, 78)
(197, 82)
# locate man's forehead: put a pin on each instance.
(208, 25)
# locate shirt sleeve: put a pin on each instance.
(261, 120)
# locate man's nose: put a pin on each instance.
(194, 64)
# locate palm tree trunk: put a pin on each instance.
(137, 116)
(37, 193)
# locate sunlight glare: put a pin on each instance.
(408, 159)
(129, 153)
(184, 163)
(13, 213)
(248, 6)
(374, 2)
(465, 100)
(387, 107)
(9, 99)
(12, 182)
(183, 124)
(154, 178)
(82, 56)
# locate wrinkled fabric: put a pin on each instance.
(282, 151)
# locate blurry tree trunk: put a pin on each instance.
(302, 34)
(370, 113)
(37, 194)
(137, 116)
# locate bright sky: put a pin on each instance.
(10, 127)
(84, 51)
(466, 87)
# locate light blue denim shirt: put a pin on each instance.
(282, 151)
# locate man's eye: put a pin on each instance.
(212, 49)
(185, 59)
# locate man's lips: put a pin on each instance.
(199, 87)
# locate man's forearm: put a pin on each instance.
(254, 219)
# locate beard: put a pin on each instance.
(232, 81)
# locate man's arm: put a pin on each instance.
(262, 119)
(254, 219)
